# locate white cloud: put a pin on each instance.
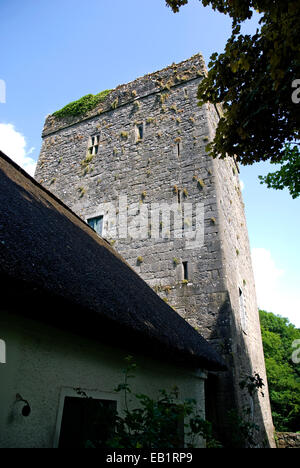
(13, 144)
(272, 293)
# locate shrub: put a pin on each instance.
(82, 105)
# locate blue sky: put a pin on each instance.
(54, 52)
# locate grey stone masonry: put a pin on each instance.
(287, 440)
(140, 149)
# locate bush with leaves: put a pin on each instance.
(162, 423)
(244, 431)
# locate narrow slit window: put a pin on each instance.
(178, 149)
(179, 196)
(141, 131)
(185, 270)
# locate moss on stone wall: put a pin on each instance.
(83, 105)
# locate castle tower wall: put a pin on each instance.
(151, 137)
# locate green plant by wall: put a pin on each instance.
(154, 423)
(115, 103)
(200, 183)
(244, 433)
(163, 97)
(150, 120)
(82, 105)
(89, 158)
(124, 135)
(81, 191)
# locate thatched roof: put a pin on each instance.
(55, 268)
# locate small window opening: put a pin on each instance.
(87, 420)
(185, 270)
(94, 145)
(178, 149)
(179, 196)
(140, 132)
(96, 224)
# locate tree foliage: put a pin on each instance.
(278, 336)
(253, 80)
(156, 424)
(288, 174)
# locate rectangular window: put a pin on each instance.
(96, 224)
(87, 422)
(139, 132)
(94, 144)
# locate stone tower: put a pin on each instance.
(142, 147)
